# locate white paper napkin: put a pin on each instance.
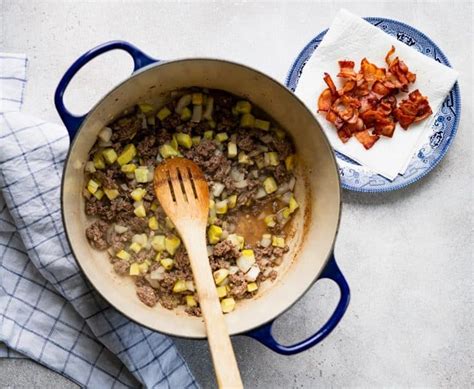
(351, 37)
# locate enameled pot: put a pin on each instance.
(318, 189)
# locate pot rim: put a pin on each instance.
(186, 59)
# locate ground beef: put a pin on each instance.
(245, 142)
(121, 267)
(145, 147)
(283, 147)
(238, 285)
(244, 196)
(118, 241)
(223, 169)
(171, 122)
(106, 179)
(181, 259)
(100, 208)
(217, 263)
(226, 250)
(162, 136)
(202, 152)
(147, 295)
(120, 205)
(96, 233)
(143, 255)
(125, 128)
(193, 311)
(281, 174)
(136, 224)
(169, 301)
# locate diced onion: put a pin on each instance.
(104, 144)
(197, 114)
(154, 283)
(253, 273)
(282, 188)
(241, 184)
(190, 286)
(120, 229)
(266, 241)
(224, 234)
(291, 183)
(254, 173)
(286, 197)
(158, 274)
(124, 186)
(183, 102)
(260, 193)
(233, 269)
(90, 168)
(210, 250)
(236, 175)
(105, 134)
(217, 188)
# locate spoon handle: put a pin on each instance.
(223, 357)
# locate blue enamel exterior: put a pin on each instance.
(73, 122)
(264, 333)
(331, 270)
(446, 122)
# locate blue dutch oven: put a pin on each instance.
(311, 255)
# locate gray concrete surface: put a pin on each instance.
(407, 255)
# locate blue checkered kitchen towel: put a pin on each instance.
(48, 311)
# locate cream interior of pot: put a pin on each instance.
(314, 226)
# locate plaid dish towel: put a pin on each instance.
(48, 311)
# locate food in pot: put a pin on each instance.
(249, 164)
(366, 104)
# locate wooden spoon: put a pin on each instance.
(183, 193)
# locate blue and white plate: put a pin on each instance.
(358, 178)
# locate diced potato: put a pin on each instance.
(186, 114)
(243, 106)
(231, 150)
(246, 260)
(190, 286)
(212, 124)
(105, 134)
(214, 234)
(232, 201)
(252, 287)
(92, 186)
(172, 243)
(212, 204)
(290, 162)
(140, 211)
(128, 168)
(271, 159)
(234, 111)
(169, 223)
(122, 254)
(270, 220)
(141, 174)
(154, 206)
(280, 133)
(270, 185)
(99, 194)
(286, 212)
(293, 205)
(138, 194)
(221, 291)
(179, 286)
(141, 239)
(220, 275)
(221, 207)
(209, 108)
(222, 137)
(128, 153)
(151, 120)
(228, 304)
(208, 134)
(167, 263)
(135, 247)
(262, 124)
(278, 241)
(260, 161)
(99, 162)
(191, 301)
(247, 120)
(244, 159)
(196, 140)
(111, 193)
(174, 142)
(237, 240)
(143, 267)
(145, 108)
(197, 99)
(168, 151)
(153, 223)
(184, 140)
(163, 113)
(134, 269)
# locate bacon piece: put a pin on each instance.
(387, 56)
(348, 86)
(371, 72)
(347, 70)
(330, 83)
(399, 72)
(381, 89)
(414, 109)
(325, 100)
(366, 138)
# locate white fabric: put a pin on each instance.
(351, 37)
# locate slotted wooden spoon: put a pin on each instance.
(183, 193)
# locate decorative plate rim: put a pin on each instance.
(389, 185)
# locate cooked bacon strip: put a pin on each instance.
(347, 70)
(325, 101)
(330, 83)
(365, 105)
(367, 139)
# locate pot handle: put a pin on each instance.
(264, 333)
(73, 122)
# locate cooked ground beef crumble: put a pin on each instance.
(248, 162)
